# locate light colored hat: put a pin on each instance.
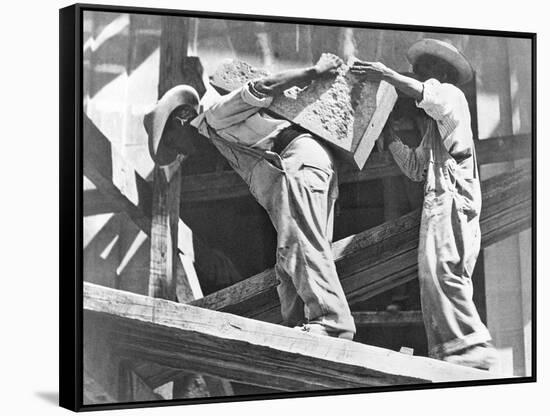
(445, 51)
(155, 120)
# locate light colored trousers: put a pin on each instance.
(448, 248)
(298, 190)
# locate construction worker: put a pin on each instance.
(449, 233)
(290, 172)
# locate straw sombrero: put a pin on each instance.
(155, 120)
(445, 51)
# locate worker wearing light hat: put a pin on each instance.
(291, 173)
(450, 235)
(165, 124)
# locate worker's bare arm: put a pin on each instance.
(377, 71)
(277, 83)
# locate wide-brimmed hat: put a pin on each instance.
(445, 51)
(155, 120)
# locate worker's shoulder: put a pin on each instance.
(455, 93)
(451, 90)
(442, 87)
(453, 96)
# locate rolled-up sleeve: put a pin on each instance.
(438, 100)
(412, 162)
(235, 107)
(255, 98)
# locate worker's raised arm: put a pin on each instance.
(281, 81)
(377, 71)
(242, 103)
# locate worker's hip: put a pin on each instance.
(450, 238)
(303, 175)
(267, 173)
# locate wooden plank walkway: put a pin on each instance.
(245, 350)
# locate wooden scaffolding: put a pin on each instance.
(204, 343)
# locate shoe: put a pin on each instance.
(482, 356)
(319, 329)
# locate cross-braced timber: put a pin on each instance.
(385, 256)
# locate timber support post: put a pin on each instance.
(172, 274)
(164, 234)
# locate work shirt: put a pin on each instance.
(450, 235)
(447, 105)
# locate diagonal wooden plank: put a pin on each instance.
(385, 256)
(132, 194)
(387, 319)
(240, 349)
(128, 192)
(95, 203)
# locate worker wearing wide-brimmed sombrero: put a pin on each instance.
(168, 122)
(289, 172)
(449, 233)
(427, 49)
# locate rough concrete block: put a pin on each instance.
(345, 111)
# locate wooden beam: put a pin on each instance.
(385, 256)
(504, 149)
(244, 350)
(106, 378)
(387, 319)
(166, 260)
(176, 66)
(164, 234)
(129, 192)
(227, 184)
(95, 203)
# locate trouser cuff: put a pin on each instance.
(453, 346)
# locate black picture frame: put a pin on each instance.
(71, 285)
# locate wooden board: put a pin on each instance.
(164, 238)
(244, 350)
(346, 112)
(385, 256)
(387, 319)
